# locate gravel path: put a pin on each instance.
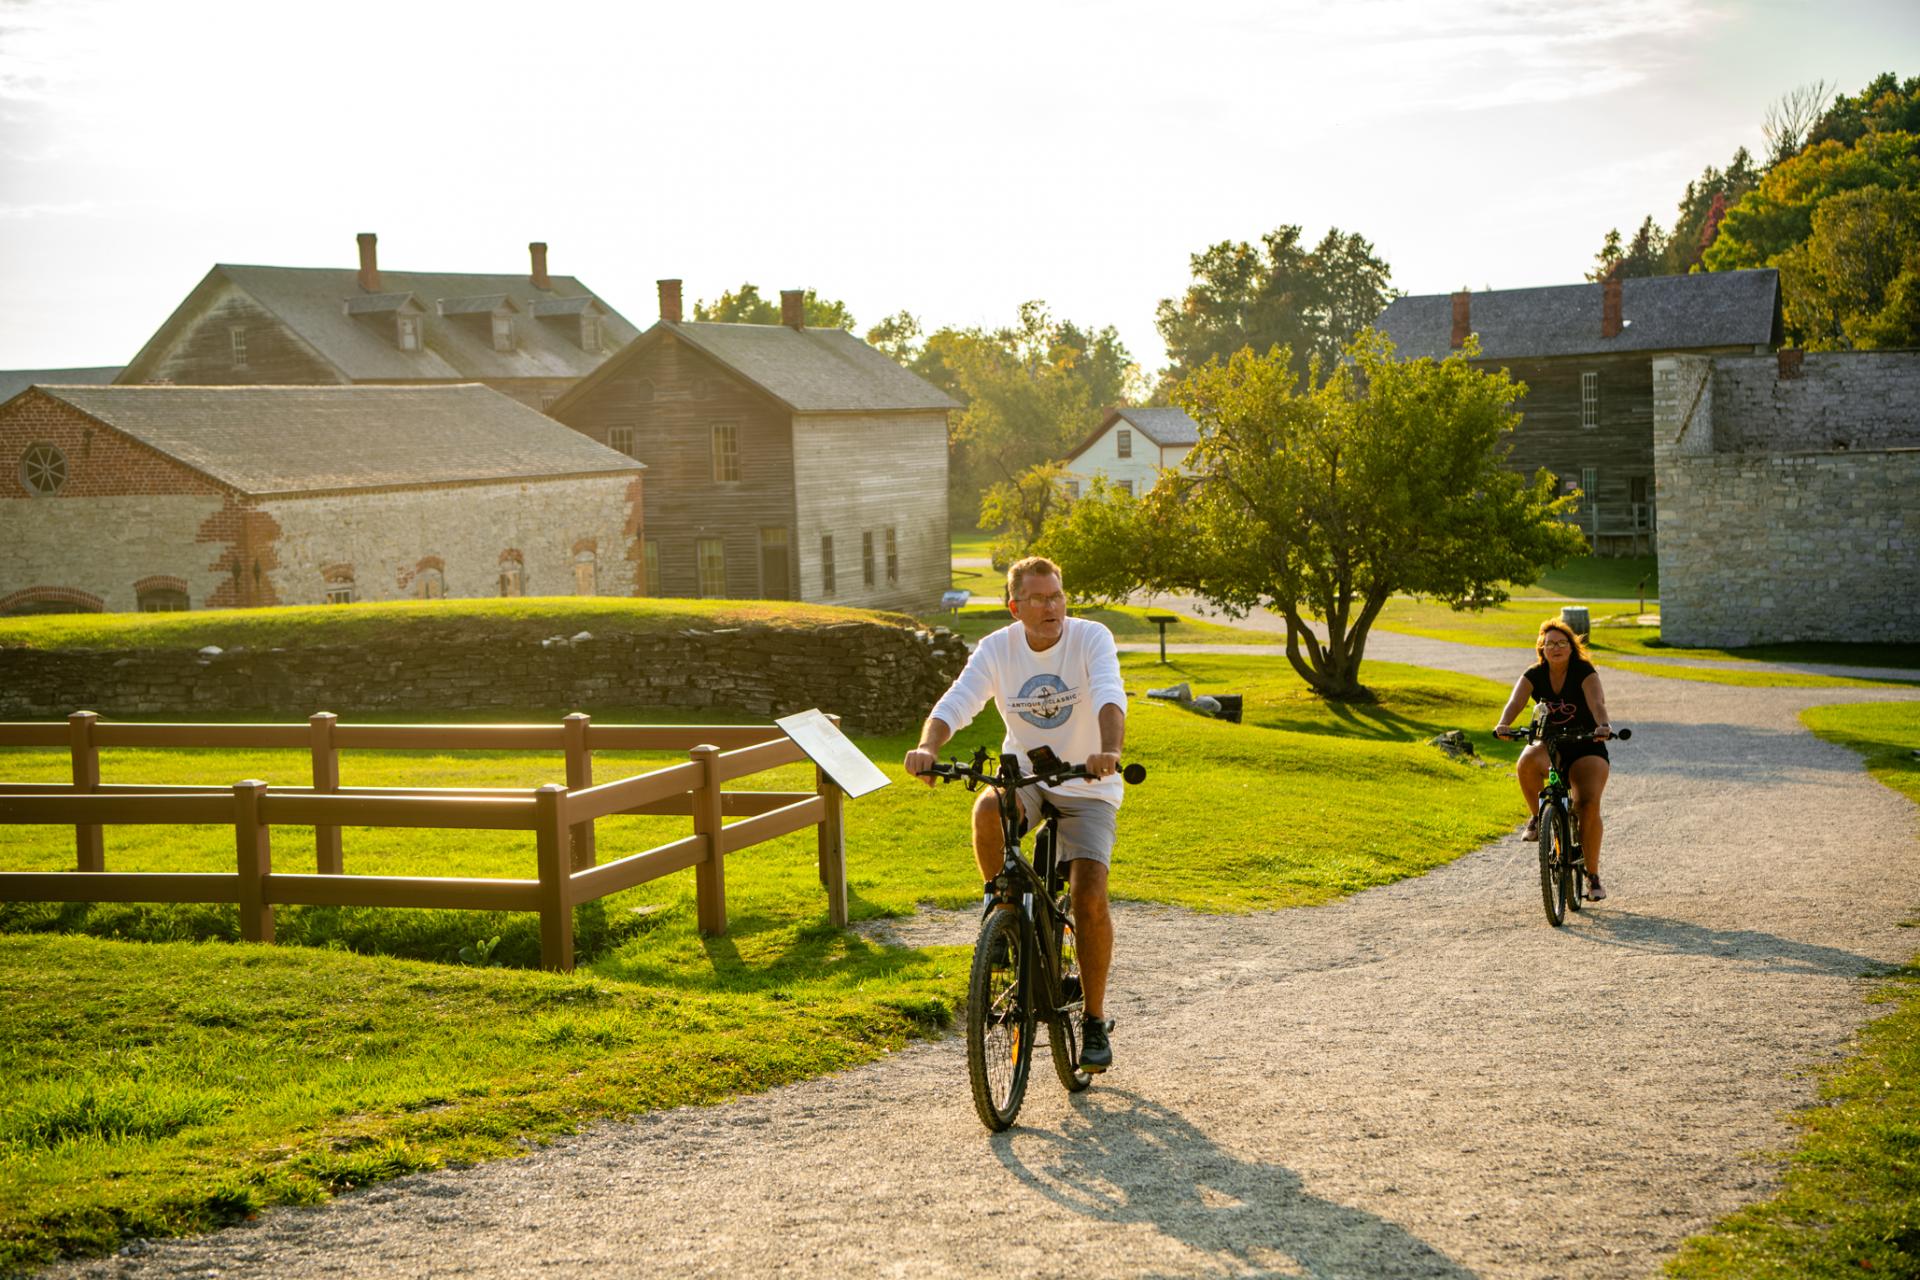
(1422, 1080)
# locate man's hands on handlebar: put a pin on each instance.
(919, 764)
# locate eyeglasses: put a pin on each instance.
(1044, 602)
(1555, 644)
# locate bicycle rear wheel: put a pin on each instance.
(1576, 869)
(1553, 862)
(1063, 1026)
(1000, 1019)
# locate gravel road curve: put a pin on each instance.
(1424, 1080)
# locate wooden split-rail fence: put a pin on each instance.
(560, 818)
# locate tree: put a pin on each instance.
(1644, 255)
(1020, 509)
(1886, 105)
(1282, 294)
(745, 306)
(1321, 497)
(1855, 282)
(1791, 117)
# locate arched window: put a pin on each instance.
(50, 600)
(161, 593)
(429, 584)
(338, 580)
(583, 574)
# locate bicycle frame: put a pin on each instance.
(1028, 886)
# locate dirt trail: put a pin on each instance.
(1422, 1080)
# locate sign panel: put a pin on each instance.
(951, 600)
(834, 752)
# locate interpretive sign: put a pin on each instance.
(834, 752)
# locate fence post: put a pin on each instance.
(710, 876)
(579, 777)
(833, 847)
(556, 883)
(89, 848)
(326, 777)
(253, 841)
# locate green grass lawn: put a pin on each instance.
(1596, 577)
(157, 1077)
(1615, 632)
(1126, 621)
(1850, 1205)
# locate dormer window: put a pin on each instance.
(578, 319)
(400, 310)
(487, 318)
(502, 333)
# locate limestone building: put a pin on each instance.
(163, 498)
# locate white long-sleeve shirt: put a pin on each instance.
(1051, 698)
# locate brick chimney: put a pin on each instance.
(793, 308)
(1610, 325)
(1462, 318)
(539, 251)
(670, 301)
(369, 263)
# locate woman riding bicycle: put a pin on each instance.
(1567, 689)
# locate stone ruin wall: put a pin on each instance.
(878, 678)
(1789, 490)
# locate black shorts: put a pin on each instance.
(1571, 751)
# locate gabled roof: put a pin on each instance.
(283, 440)
(485, 304)
(314, 302)
(1662, 313)
(1165, 427)
(14, 381)
(807, 370)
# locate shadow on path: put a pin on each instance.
(1120, 1160)
(1659, 935)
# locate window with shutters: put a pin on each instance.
(651, 546)
(893, 558)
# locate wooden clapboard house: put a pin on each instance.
(784, 462)
(1586, 353)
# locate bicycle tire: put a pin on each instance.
(1576, 871)
(1063, 1025)
(1000, 1020)
(1553, 863)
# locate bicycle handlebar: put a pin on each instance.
(1011, 778)
(1515, 733)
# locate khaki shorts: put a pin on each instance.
(1086, 827)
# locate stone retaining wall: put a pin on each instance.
(1777, 522)
(879, 679)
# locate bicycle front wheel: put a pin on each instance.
(1063, 1028)
(1000, 1019)
(1553, 862)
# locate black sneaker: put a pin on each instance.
(1096, 1054)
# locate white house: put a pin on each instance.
(1131, 447)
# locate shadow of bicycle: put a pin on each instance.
(1120, 1159)
(1750, 948)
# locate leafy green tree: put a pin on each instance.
(1855, 282)
(745, 306)
(1020, 509)
(1644, 255)
(1321, 497)
(1887, 105)
(1311, 301)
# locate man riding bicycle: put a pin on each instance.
(1056, 681)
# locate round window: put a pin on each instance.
(43, 469)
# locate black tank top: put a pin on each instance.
(1567, 710)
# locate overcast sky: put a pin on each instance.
(953, 160)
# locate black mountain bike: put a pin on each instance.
(1024, 967)
(1563, 865)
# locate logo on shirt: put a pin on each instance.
(1558, 712)
(1045, 701)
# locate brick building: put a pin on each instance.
(1586, 353)
(529, 336)
(785, 462)
(163, 498)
